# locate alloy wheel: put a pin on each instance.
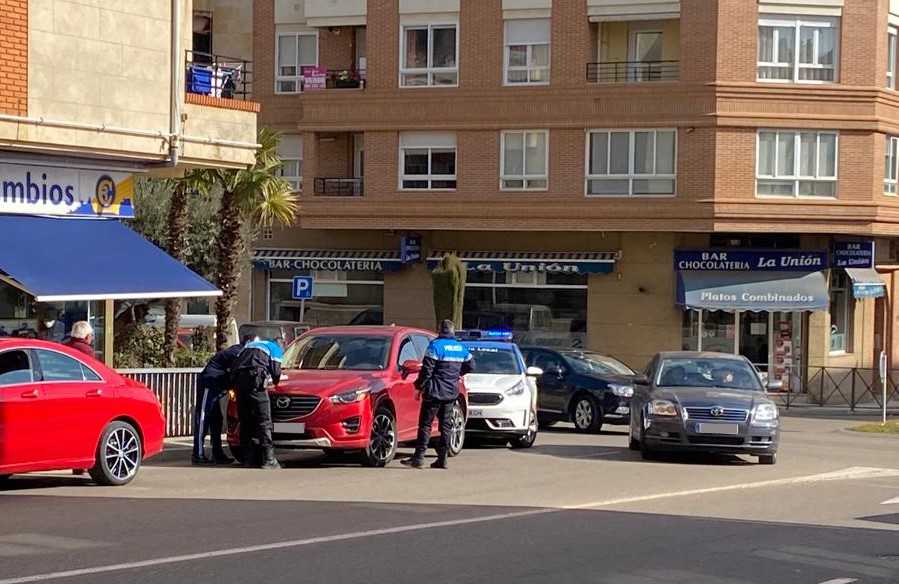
(383, 437)
(121, 453)
(458, 433)
(583, 414)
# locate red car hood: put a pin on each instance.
(327, 383)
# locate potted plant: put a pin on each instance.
(346, 80)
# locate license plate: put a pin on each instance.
(290, 428)
(727, 429)
(475, 413)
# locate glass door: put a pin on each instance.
(755, 341)
(646, 53)
(719, 331)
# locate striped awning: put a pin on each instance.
(330, 260)
(582, 262)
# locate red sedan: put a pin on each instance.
(351, 389)
(60, 409)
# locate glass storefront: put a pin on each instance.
(546, 309)
(340, 298)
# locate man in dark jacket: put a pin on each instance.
(445, 362)
(212, 386)
(257, 362)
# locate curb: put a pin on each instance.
(868, 434)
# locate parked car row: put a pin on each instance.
(352, 390)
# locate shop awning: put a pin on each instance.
(601, 262)
(753, 291)
(329, 260)
(65, 259)
(866, 283)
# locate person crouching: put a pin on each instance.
(258, 361)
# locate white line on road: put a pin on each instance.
(891, 502)
(841, 581)
(853, 473)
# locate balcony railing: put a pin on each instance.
(346, 79)
(339, 187)
(633, 71)
(218, 75)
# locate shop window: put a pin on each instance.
(202, 36)
(429, 55)
(842, 312)
(796, 164)
(891, 58)
(290, 151)
(16, 313)
(427, 161)
(798, 50)
(340, 298)
(295, 52)
(525, 159)
(891, 165)
(631, 162)
(527, 52)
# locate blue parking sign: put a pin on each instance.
(302, 287)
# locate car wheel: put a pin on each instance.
(586, 415)
(526, 440)
(768, 458)
(118, 455)
(383, 442)
(457, 437)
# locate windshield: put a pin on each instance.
(596, 364)
(339, 352)
(494, 360)
(708, 372)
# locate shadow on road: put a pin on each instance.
(624, 454)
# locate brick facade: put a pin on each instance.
(14, 57)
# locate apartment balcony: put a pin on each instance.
(339, 186)
(633, 71)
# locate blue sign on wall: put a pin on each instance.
(302, 287)
(740, 260)
(853, 254)
(410, 248)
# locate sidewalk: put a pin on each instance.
(800, 406)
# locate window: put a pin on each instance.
(15, 368)
(341, 298)
(421, 344)
(891, 57)
(525, 158)
(842, 310)
(427, 161)
(796, 164)
(527, 52)
(891, 164)
(295, 51)
(798, 50)
(290, 150)
(429, 55)
(631, 162)
(59, 367)
(202, 36)
(408, 351)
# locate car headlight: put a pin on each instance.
(765, 413)
(516, 389)
(662, 407)
(350, 397)
(622, 390)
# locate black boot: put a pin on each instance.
(440, 463)
(413, 462)
(269, 462)
(221, 458)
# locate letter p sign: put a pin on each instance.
(302, 287)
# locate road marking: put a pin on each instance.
(891, 502)
(841, 581)
(852, 473)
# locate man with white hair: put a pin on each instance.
(81, 338)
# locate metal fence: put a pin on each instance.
(856, 387)
(176, 390)
(633, 71)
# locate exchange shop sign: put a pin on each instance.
(749, 261)
(853, 254)
(47, 190)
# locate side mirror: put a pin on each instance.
(533, 372)
(411, 366)
(554, 372)
(641, 379)
(775, 385)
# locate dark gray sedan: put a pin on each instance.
(704, 402)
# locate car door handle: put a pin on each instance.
(94, 393)
(30, 394)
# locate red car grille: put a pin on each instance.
(295, 406)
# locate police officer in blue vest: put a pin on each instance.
(257, 362)
(445, 362)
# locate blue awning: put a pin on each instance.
(754, 291)
(62, 259)
(866, 283)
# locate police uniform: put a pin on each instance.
(445, 362)
(257, 361)
(212, 385)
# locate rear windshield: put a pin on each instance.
(339, 352)
(495, 360)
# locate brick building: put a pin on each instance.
(623, 175)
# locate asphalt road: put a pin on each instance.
(574, 509)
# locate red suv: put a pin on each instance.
(351, 389)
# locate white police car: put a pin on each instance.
(502, 391)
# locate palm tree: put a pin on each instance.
(199, 181)
(256, 195)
